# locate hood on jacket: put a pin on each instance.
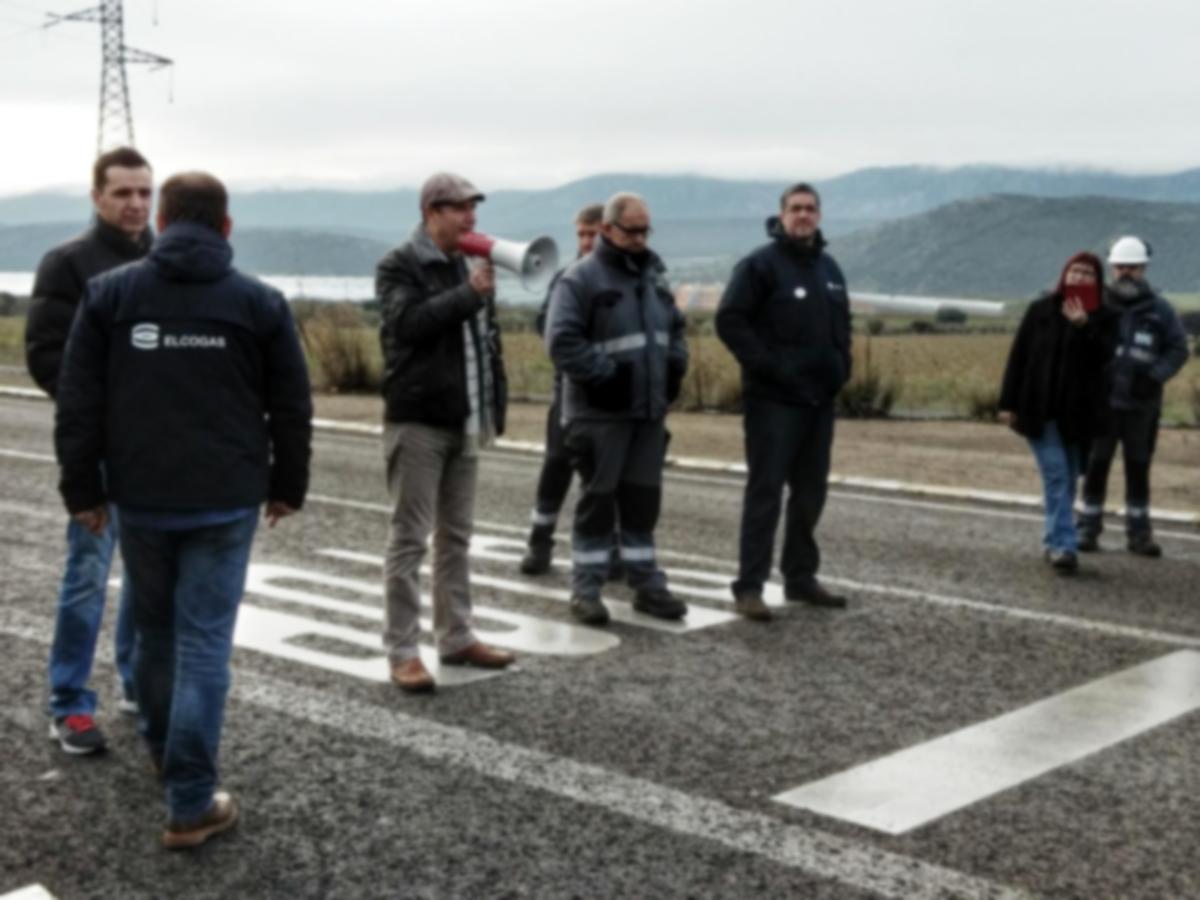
(189, 251)
(775, 231)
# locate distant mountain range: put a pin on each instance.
(899, 229)
(1014, 246)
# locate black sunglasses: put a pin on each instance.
(636, 231)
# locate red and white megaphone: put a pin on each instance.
(534, 262)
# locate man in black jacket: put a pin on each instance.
(184, 401)
(122, 185)
(444, 395)
(785, 316)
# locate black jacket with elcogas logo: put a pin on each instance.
(185, 380)
(785, 316)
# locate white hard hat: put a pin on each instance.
(1129, 251)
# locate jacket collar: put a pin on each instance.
(611, 255)
(427, 251)
(121, 243)
(801, 248)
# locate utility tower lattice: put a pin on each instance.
(116, 116)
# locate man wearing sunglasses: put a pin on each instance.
(785, 316)
(1147, 347)
(616, 335)
(122, 186)
(444, 394)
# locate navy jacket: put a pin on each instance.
(615, 334)
(1147, 346)
(186, 381)
(785, 316)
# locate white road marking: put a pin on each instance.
(858, 865)
(23, 454)
(915, 786)
(32, 892)
(276, 633)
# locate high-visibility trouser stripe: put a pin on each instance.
(637, 554)
(1137, 512)
(1091, 509)
(541, 518)
(590, 557)
(662, 338)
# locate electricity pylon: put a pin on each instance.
(116, 116)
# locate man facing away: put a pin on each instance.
(785, 316)
(555, 478)
(181, 346)
(1147, 346)
(617, 337)
(122, 186)
(444, 393)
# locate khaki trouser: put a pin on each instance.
(432, 487)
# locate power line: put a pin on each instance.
(116, 115)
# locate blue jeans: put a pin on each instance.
(187, 585)
(77, 622)
(1059, 465)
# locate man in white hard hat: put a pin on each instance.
(1148, 347)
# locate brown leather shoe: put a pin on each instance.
(221, 816)
(751, 606)
(481, 656)
(412, 676)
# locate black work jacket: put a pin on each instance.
(785, 316)
(424, 299)
(62, 277)
(1055, 372)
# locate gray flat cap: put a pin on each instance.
(445, 187)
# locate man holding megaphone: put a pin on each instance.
(444, 391)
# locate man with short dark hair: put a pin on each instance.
(555, 478)
(619, 340)
(122, 185)
(182, 345)
(785, 316)
(444, 392)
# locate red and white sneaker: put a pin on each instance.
(78, 734)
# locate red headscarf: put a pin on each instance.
(1087, 294)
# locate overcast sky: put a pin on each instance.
(517, 93)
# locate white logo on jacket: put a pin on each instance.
(800, 293)
(145, 336)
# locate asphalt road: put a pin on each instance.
(641, 761)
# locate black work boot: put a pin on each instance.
(660, 603)
(537, 558)
(1142, 543)
(814, 594)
